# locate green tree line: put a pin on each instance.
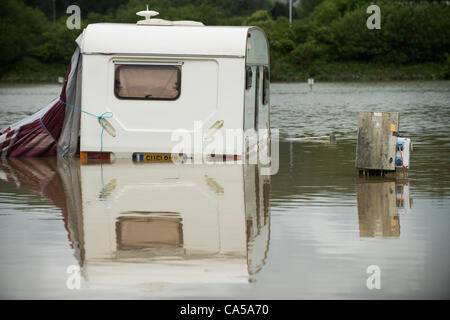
(328, 39)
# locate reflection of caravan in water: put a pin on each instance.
(158, 77)
(133, 224)
(181, 223)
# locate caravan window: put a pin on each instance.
(147, 82)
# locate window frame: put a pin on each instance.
(175, 65)
(248, 77)
(266, 86)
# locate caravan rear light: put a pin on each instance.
(224, 157)
(95, 157)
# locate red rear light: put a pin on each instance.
(224, 157)
(95, 157)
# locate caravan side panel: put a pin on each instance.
(211, 90)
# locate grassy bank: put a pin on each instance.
(356, 71)
(34, 71)
(31, 70)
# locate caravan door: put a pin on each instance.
(256, 114)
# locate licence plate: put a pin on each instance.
(156, 157)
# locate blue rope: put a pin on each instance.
(104, 115)
(68, 104)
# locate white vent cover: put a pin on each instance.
(148, 21)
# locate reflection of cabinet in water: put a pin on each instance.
(377, 208)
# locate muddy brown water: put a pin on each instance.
(315, 233)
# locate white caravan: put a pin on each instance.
(165, 81)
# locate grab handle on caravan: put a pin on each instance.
(215, 127)
(107, 126)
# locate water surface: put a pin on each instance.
(309, 232)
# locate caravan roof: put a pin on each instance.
(118, 38)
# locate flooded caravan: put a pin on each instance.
(152, 90)
(159, 79)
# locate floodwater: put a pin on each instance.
(185, 232)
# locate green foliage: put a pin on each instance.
(20, 30)
(445, 70)
(307, 6)
(259, 18)
(308, 52)
(408, 35)
(325, 12)
(58, 44)
(205, 13)
(282, 10)
(211, 12)
(329, 37)
(241, 7)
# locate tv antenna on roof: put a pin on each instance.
(148, 14)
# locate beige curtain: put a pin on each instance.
(147, 82)
(136, 232)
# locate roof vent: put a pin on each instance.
(148, 14)
(148, 21)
